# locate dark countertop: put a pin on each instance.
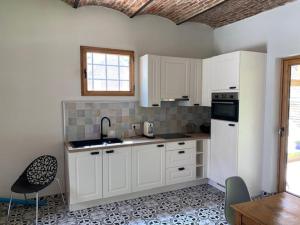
(138, 140)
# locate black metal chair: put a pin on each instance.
(37, 176)
(236, 192)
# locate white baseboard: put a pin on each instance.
(216, 185)
(84, 205)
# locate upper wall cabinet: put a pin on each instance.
(226, 70)
(195, 84)
(175, 78)
(207, 71)
(150, 81)
(165, 78)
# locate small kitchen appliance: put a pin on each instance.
(148, 129)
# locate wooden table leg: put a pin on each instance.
(238, 218)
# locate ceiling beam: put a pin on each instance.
(192, 17)
(141, 8)
(76, 4)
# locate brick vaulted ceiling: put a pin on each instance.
(215, 13)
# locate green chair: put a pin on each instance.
(236, 192)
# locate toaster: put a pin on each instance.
(148, 129)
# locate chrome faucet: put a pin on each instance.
(109, 124)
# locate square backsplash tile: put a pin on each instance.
(82, 119)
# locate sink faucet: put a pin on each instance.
(109, 124)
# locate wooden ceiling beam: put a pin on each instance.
(141, 8)
(76, 4)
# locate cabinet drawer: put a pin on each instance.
(180, 145)
(181, 157)
(180, 174)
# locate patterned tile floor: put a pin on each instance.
(203, 205)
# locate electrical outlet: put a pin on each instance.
(135, 126)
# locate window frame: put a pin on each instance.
(83, 61)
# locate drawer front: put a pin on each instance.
(180, 145)
(181, 157)
(180, 174)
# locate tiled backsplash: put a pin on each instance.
(82, 119)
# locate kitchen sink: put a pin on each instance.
(85, 143)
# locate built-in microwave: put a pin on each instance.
(225, 106)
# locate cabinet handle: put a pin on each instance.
(185, 96)
(155, 105)
(181, 152)
(231, 125)
(181, 143)
(181, 168)
(94, 153)
(110, 151)
(160, 146)
(232, 87)
(196, 104)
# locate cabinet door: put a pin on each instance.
(195, 84)
(180, 174)
(174, 77)
(150, 81)
(85, 176)
(116, 171)
(224, 144)
(226, 74)
(206, 82)
(148, 166)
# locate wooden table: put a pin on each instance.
(280, 209)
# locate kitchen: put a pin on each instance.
(172, 80)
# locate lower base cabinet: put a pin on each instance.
(180, 174)
(148, 166)
(103, 173)
(85, 176)
(116, 171)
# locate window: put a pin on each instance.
(106, 72)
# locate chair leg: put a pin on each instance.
(9, 207)
(60, 189)
(36, 208)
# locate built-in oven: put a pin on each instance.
(225, 106)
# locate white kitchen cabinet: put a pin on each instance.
(85, 176)
(224, 151)
(207, 71)
(226, 71)
(175, 77)
(150, 80)
(180, 174)
(195, 84)
(148, 166)
(116, 171)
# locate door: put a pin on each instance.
(148, 166)
(226, 72)
(116, 171)
(85, 176)
(289, 159)
(174, 77)
(224, 144)
(206, 82)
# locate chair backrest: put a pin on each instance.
(42, 171)
(236, 192)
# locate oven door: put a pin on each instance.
(225, 110)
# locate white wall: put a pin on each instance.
(39, 68)
(277, 32)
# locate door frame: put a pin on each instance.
(284, 119)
